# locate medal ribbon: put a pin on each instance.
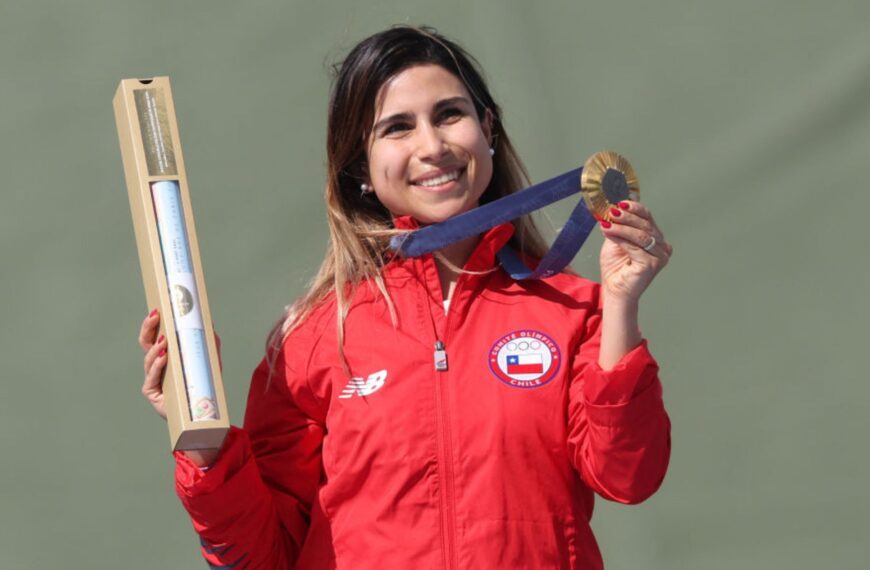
(510, 207)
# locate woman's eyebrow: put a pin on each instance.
(410, 116)
(451, 101)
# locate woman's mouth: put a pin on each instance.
(439, 181)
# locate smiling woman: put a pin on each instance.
(429, 151)
(432, 412)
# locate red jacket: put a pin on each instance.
(489, 464)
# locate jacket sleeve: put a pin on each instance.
(252, 508)
(618, 430)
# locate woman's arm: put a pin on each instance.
(250, 501)
(633, 253)
(618, 430)
(620, 332)
(254, 503)
(154, 348)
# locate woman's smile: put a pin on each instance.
(439, 180)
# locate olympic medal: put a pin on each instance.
(606, 180)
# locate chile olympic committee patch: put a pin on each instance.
(525, 358)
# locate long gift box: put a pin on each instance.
(193, 392)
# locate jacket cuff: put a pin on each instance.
(192, 480)
(630, 388)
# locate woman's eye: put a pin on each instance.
(451, 113)
(395, 128)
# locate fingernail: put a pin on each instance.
(152, 313)
(605, 224)
(159, 340)
(162, 352)
(624, 205)
(615, 212)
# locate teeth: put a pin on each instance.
(443, 179)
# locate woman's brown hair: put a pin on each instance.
(359, 225)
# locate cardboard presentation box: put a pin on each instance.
(195, 403)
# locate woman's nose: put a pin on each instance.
(432, 144)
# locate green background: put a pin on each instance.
(748, 122)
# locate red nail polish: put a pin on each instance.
(605, 224)
(162, 352)
(152, 313)
(624, 205)
(159, 340)
(615, 212)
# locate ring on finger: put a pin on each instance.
(652, 243)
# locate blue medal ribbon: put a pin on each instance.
(476, 221)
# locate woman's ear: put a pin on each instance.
(486, 126)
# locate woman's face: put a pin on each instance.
(428, 153)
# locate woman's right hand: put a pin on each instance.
(155, 365)
(155, 361)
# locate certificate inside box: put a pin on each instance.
(169, 258)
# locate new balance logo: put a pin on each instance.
(364, 387)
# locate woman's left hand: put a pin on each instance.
(634, 251)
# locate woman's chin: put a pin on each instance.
(441, 212)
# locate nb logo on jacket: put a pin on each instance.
(364, 386)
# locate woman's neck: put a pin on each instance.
(455, 254)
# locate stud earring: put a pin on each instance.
(491, 151)
(364, 189)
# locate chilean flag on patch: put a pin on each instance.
(525, 364)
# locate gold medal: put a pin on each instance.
(606, 180)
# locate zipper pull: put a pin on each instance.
(440, 356)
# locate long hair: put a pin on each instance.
(359, 225)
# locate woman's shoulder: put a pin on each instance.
(294, 333)
(568, 281)
(290, 353)
(320, 318)
(569, 284)
(312, 324)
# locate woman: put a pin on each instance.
(432, 412)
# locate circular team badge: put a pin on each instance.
(525, 358)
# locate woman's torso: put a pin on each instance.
(461, 468)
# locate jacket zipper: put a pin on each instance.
(440, 357)
(445, 447)
(448, 500)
